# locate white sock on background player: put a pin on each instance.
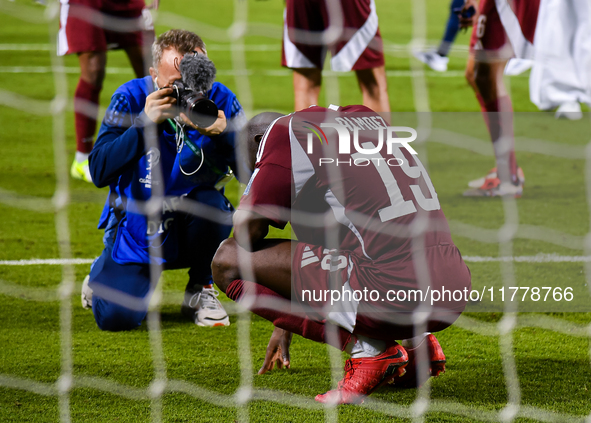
(81, 157)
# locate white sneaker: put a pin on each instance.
(492, 174)
(495, 188)
(517, 66)
(204, 308)
(433, 60)
(570, 110)
(86, 294)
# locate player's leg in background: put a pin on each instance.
(138, 45)
(497, 110)
(302, 50)
(86, 103)
(138, 61)
(119, 293)
(87, 40)
(437, 59)
(361, 49)
(374, 88)
(307, 83)
(470, 76)
(451, 29)
(489, 52)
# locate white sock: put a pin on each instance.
(365, 347)
(414, 342)
(81, 157)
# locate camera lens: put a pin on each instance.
(202, 111)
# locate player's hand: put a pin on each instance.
(466, 22)
(160, 105)
(277, 351)
(215, 129)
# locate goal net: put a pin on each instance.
(500, 291)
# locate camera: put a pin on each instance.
(199, 109)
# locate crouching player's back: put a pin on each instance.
(373, 244)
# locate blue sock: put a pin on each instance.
(453, 26)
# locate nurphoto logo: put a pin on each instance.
(366, 151)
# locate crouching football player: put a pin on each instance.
(371, 224)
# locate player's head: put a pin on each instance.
(251, 136)
(167, 52)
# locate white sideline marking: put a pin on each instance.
(49, 69)
(25, 47)
(33, 262)
(540, 258)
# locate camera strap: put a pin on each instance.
(181, 140)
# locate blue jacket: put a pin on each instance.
(121, 159)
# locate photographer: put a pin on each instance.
(143, 144)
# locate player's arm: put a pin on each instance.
(277, 351)
(266, 202)
(120, 142)
(250, 228)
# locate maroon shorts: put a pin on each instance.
(86, 26)
(376, 307)
(357, 43)
(505, 29)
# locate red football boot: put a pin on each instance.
(365, 375)
(436, 364)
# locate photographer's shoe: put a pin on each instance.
(204, 308)
(80, 170)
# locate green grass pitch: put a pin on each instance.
(553, 368)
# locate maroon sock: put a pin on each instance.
(498, 115)
(303, 326)
(483, 110)
(85, 125)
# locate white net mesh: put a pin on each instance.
(235, 35)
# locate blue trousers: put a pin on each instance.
(128, 285)
(451, 29)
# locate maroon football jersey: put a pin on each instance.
(111, 5)
(510, 28)
(367, 200)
